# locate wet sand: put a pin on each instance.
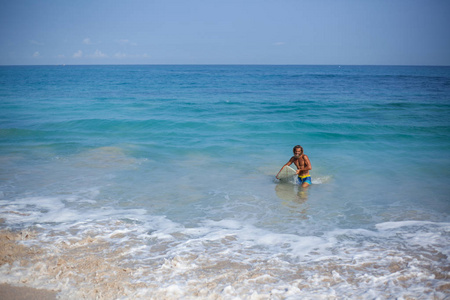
(85, 256)
(9, 292)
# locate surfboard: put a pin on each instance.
(286, 172)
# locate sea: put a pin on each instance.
(159, 181)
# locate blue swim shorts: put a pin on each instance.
(302, 179)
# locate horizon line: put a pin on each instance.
(188, 64)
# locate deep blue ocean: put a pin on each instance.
(158, 181)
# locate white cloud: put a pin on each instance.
(98, 54)
(87, 41)
(78, 54)
(36, 54)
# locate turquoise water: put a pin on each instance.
(181, 161)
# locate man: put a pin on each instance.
(303, 166)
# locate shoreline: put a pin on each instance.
(11, 292)
(94, 274)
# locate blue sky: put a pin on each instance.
(338, 32)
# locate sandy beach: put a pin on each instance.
(10, 251)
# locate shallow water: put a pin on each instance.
(158, 181)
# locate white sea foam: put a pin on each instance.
(41, 210)
(395, 225)
(320, 179)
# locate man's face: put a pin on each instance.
(297, 152)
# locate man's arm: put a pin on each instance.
(307, 166)
(290, 162)
(287, 164)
